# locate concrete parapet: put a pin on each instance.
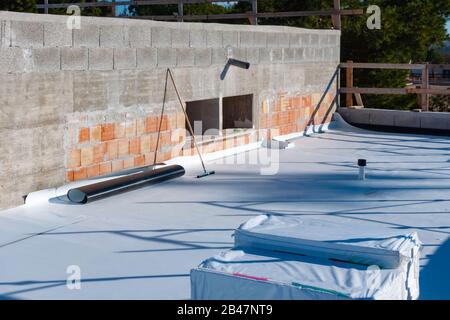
(101, 59)
(27, 34)
(166, 57)
(146, 58)
(88, 36)
(57, 35)
(185, 58)
(46, 59)
(161, 37)
(397, 118)
(124, 58)
(197, 39)
(74, 59)
(114, 37)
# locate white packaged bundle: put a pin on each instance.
(252, 274)
(325, 238)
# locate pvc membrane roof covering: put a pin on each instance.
(142, 244)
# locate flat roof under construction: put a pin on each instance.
(142, 244)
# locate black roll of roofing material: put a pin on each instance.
(100, 189)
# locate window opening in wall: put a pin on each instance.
(237, 112)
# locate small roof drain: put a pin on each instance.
(362, 163)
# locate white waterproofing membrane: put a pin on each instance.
(142, 244)
(248, 273)
(326, 239)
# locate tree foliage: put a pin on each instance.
(188, 9)
(411, 31)
(18, 5)
(94, 11)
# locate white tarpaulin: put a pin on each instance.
(261, 275)
(326, 239)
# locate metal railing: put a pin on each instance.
(336, 12)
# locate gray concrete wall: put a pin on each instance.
(397, 118)
(55, 80)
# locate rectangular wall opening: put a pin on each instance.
(237, 112)
(204, 116)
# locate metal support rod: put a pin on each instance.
(46, 6)
(338, 88)
(187, 118)
(161, 116)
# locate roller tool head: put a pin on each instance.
(205, 174)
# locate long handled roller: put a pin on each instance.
(169, 74)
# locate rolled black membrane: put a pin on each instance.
(102, 189)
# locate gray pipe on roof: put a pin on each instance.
(96, 190)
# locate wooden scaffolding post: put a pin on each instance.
(425, 97)
(113, 8)
(337, 18)
(180, 11)
(253, 16)
(349, 83)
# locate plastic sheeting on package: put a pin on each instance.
(357, 243)
(262, 275)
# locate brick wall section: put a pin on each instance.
(221, 143)
(291, 113)
(102, 149)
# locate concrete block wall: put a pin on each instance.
(397, 118)
(60, 85)
(23, 37)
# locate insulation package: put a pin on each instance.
(250, 274)
(279, 257)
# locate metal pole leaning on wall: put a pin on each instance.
(338, 87)
(161, 116)
(205, 173)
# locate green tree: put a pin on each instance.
(18, 5)
(410, 32)
(30, 6)
(189, 9)
(94, 11)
